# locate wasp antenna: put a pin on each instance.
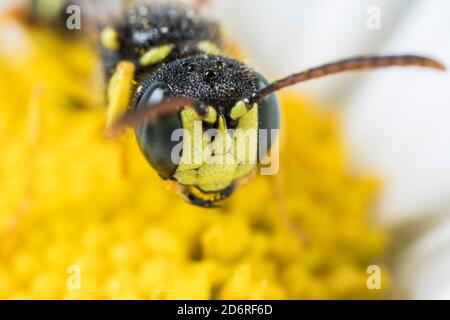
(148, 114)
(352, 64)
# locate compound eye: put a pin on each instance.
(270, 105)
(153, 94)
(155, 138)
(268, 116)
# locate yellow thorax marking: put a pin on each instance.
(208, 47)
(156, 55)
(109, 39)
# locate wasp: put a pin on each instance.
(166, 70)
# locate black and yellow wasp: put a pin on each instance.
(166, 70)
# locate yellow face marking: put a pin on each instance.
(213, 172)
(156, 55)
(220, 146)
(189, 177)
(109, 39)
(246, 142)
(119, 91)
(209, 47)
(238, 110)
(211, 115)
(214, 177)
(190, 120)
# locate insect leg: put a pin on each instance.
(119, 92)
(119, 96)
(283, 214)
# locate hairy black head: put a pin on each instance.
(214, 80)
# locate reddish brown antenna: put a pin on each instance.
(352, 64)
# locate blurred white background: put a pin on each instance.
(396, 121)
